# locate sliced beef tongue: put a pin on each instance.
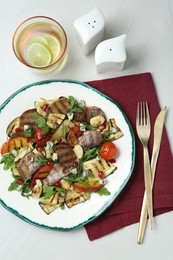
(66, 155)
(58, 171)
(28, 165)
(90, 139)
(88, 113)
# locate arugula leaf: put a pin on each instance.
(7, 160)
(72, 179)
(104, 191)
(14, 185)
(27, 133)
(48, 191)
(24, 189)
(89, 127)
(90, 153)
(42, 159)
(41, 122)
(75, 107)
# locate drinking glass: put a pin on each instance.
(40, 43)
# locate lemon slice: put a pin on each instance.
(38, 39)
(53, 44)
(38, 55)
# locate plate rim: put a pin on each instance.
(107, 204)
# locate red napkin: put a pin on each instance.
(125, 210)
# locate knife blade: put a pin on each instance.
(158, 129)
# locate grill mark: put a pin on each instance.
(59, 106)
(65, 154)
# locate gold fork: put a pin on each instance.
(143, 128)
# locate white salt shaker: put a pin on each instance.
(110, 55)
(90, 29)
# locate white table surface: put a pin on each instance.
(148, 25)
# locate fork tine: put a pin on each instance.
(137, 115)
(147, 114)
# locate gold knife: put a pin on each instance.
(158, 129)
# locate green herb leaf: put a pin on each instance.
(75, 107)
(26, 133)
(72, 179)
(41, 122)
(7, 160)
(90, 153)
(89, 127)
(14, 185)
(104, 191)
(24, 189)
(48, 191)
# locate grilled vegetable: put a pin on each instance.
(41, 107)
(54, 120)
(49, 205)
(37, 189)
(97, 121)
(78, 151)
(58, 106)
(73, 198)
(108, 151)
(115, 131)
(89, 185)
(95, 166)
(14, 143)
(72, 138)
(62, 130)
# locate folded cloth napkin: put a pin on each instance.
(125, 210)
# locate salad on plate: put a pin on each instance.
(61, 151)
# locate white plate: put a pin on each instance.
(79, 215)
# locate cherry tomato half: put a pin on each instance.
(41, 139)
(108, 151)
